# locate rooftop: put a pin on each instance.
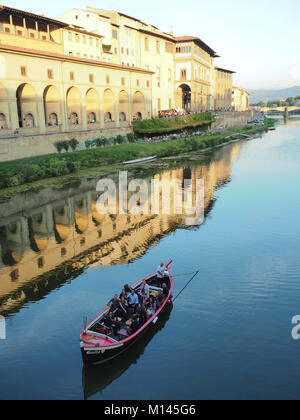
(22, 13)
(198, 42)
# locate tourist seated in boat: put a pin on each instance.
(114, 304)
(123, 311)
(145, 290)
(151, 307)
(124, 294)
(111, 322)
(165, 290)
(127, 289)
(160, 297)
(142, 313)
(133, 324)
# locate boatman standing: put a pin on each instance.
(161, 274)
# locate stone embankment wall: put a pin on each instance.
(18, 147)
(232, 119)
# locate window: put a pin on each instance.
(23, 71)
(170, 103)
(71, 53)
(183, 74)
(158, 84)
(123, 81)
(169, 47)
(122, 50)
(77, 37)
(127, 51)
(19, 32)
(32, 36)
(116, 51)
(148, 83)
(84, 39)
(158, 104)
(138, 83)
(157, 47)
(72, 76)
(97, 42)
(91, 41)
(82, 241)
(169, 75)
(70, 36)
(41, 262)
(114, 34)
(91, 78)
(50, 74)
(14, 275)
(63, 252)
(147, 44)
(7, 30)
(158, 72)
(44, 37)
(107, 79)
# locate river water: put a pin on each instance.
(228, 335)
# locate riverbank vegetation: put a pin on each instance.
(157, 126)
(28, 170)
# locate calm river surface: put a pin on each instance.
(227, 336)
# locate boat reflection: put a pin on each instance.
(96, 378)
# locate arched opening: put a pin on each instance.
(4, 109)
(123, 106)
(109, 106)
(138, 106)
(74, 120)
(92, 104)
(3, 122)
(52, 106)
(183, 97)
(122, 117)
(74, 106)
(28, 121)
(27, 106)
(107, 117)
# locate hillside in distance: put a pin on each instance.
(273, 94)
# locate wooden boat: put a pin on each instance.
(98, 344)
(142, 160)
(96, 378)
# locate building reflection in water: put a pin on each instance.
(50, 237)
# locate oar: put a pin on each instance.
(196, 273)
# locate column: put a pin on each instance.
(13, 113)
(117, 113)
(83, 117)
(41, 115)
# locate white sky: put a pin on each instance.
(258, 39)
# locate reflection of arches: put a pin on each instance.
(62, 222)
(183, 97)
(81, 215)
(92, 102)
(138, 107)
(74, 106)
(123, 106)
(107, 117)
(3, 123)
(52, 105)
(109, 105)
(27, 105)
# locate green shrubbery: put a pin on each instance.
(32, 169)
(171, 125)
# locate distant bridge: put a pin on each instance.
(284, 109)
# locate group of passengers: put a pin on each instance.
(130, 310)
